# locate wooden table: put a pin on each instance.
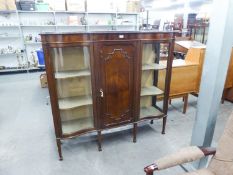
(184, 46)
(186, 74)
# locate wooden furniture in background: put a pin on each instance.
(228, 95)
(199, 31)
(103, 80)
(228, 91)
(186, 74)
(185, 45)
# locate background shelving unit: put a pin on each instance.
(18, 25)
(12, 57)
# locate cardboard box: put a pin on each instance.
(51, 4)
(57, 5)
(43, 80)
(96, 6)
(73, 20)
(11, 5)
(7, 5)
(2, 4)
(133, 6)
(75, 5)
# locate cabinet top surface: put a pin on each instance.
(106, 32)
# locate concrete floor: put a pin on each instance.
(27, 142)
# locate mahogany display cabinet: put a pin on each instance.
(102, 80)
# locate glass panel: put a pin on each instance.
(154, 65)
(72, 73)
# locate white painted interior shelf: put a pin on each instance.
(77, 124)
(149, 111)
(153, 66)
(152, 90)
(71, 74)
(74, 102)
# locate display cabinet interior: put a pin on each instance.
(72, 74)
(154, 61)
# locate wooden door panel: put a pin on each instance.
(117, 83)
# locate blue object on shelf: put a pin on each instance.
(40, 55)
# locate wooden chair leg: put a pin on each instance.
(223, 96)
(135, 125)
(170, 101)
(99, 140)
(185, 103)
(150, 173)
(59, 149)
(164, 124)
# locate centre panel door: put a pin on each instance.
(116, 83)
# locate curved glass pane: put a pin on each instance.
(73, 84)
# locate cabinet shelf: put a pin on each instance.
(8, 26)
(127, 13)
(99, 13)
(71, 74)
(153, 66)
(71, 126)
(22, 11)
(112, 25)
(150, 112)
(37, 25)
(7, 11)
(9, 54)
(67, 12)
(9, 36)
(125, 25)
(12, 70)
(100, 25)
(74, 102)
(71, 25)
(152, 90)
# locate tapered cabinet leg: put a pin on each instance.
(152, 122)
(185, 103)
(99, 140)
(59, 149)
(164, 124)
(135, 125)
